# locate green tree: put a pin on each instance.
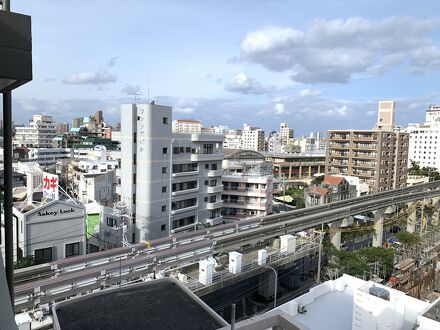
(408, 239)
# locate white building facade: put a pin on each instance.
(252, 138)
(170, 181)
(39, 134)
(424, 140)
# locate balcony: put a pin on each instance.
(215, 205)
(180, 174)
(206, 157)
(186, 191)
(215, 189)
(185, 209)
(213, 173)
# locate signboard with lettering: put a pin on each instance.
(50, 186)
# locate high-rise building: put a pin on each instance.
(170, 181)
(286, 133)
(252, 138)
(39, 134)
(424, 139)
(385, 115)
(62, 128)
(379, 157)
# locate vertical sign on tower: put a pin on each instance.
(50, 186)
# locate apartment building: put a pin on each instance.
(252, 138)
(186, 126)
(248, 185)
(424, 139)
(378, 158)
(170, 181)
(48, 156)
(233, 139)
(93, 178)
(39, 134)
(286, 134)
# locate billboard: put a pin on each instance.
(50, 186)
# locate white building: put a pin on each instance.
(248, 185)
(252, 138)
(186, 126)
(170, 181)
(51, 231)
(93, 178)
(424, 140)
(39, 134)
(350, 303)
(48, 156)
(232, 139)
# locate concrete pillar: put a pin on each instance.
(412, 219)
(310, 171)
(436, 215)
(262, 257)
(335, 234)
(266, 287)
(300, 171)
(378, 227)
(235, 262)
(290, 172)
(279, 170)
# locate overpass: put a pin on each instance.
(78, 275)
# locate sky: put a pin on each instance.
(316, 65)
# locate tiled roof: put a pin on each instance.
(333, 180)
(319, 190)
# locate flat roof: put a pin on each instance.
(158, 304)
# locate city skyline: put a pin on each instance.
(314, 67)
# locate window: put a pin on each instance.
(110, 222)
(206, 199)
(164, 170)
(188, 149)
(163, 227)
(165, 120)
(164, 189)
(134, 159)
(133, 236)
(43, 255)
(164, 151)
(134, 137)
(206, 182)
(184, 222)
(72, 249)
(134, 198)
(206, 166)
(164, 208)
(134, 177)
(214, 167)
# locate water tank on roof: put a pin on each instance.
(379, 292)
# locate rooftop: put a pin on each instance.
(158, 304)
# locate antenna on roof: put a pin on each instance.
(135, 95)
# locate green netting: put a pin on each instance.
(93, 221)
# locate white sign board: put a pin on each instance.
(50, 186)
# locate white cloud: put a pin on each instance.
(241, 83)
(332, 51)
(371, 113)
(185, 105)
(92, 78)
(309, 92)
(279, 108)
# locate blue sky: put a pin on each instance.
(315, 64)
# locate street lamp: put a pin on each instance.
(276, 285)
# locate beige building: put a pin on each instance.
(286, 134)
(248, 185)
(252, 138)
(300, 166)
(186, 126)
(378, 158)
(385, 115)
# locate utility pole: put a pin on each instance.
(7, 205)
(318, 275)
